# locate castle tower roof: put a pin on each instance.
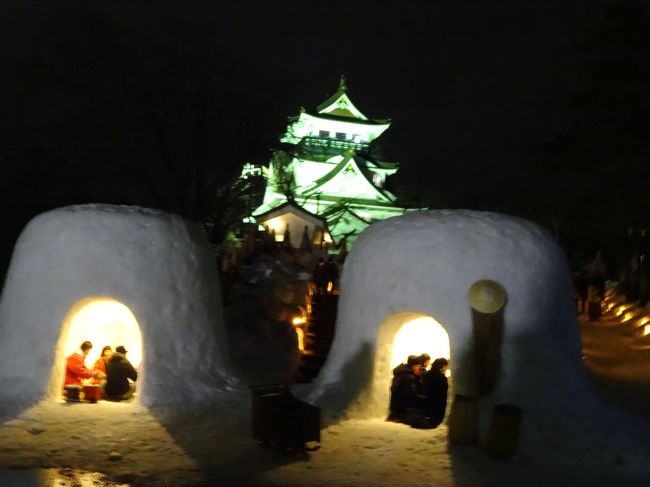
(340, 105)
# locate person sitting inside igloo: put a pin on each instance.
(100, 365)
(406, 400)
(434, 387)
(120, 377)
(76, 371)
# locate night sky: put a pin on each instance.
(474, 89)
(471, 87)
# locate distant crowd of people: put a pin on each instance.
(589, 283)
(418, 397)
(629, 273)
(112, 373)
(326, 275)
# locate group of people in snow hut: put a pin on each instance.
(418, 397)
(112, 377)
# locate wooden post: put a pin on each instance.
(463, 421)
(487, 299)
(487, 331)
(502, 440)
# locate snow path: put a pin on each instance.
(214, 447)
(83, 436)
(619, 363)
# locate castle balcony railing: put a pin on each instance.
(333, 145)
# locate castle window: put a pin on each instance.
(340, 135)
(324, 133)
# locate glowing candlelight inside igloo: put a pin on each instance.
(102, 321)
(421, 335)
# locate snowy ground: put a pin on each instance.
(619, 363)
(214, 446)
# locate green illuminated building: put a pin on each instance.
(326, 169)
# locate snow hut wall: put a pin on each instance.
(424, 264)
(155, 263)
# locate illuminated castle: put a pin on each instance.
(325, 181)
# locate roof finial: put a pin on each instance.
(342, 85)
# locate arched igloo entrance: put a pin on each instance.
(422, 334)
(102, 321)
(400, 335)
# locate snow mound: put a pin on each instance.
(423, 265)
(156, 264)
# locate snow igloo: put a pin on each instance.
(114, 275)
(405, 290)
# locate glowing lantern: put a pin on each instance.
(102, 321)
(421, 335)
(300, 333)
(621, 309)
(298, 323)
(298, 320)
